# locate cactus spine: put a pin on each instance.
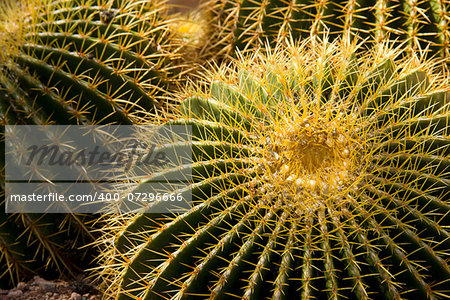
(245, 24)
(317, 172)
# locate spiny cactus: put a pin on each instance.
(244, 24)
(317, 173)
(74, 62)
(80, 61)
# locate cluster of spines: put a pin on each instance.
(419, 25)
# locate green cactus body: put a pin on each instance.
(244, 24)
(317, 173)
(85, 61)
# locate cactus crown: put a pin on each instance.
(317, 173)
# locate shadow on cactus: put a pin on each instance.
(245, 24)
(78, 61)
(317, 173)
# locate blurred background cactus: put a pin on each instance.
(317, 172)
(245, 24)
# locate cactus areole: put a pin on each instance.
(318, 173)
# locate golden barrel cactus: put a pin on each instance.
(317, 173)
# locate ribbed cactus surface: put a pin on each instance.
(248, 23)
(79, 61)
(317, 173)
(74, 62)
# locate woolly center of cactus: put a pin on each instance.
(309, 159)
